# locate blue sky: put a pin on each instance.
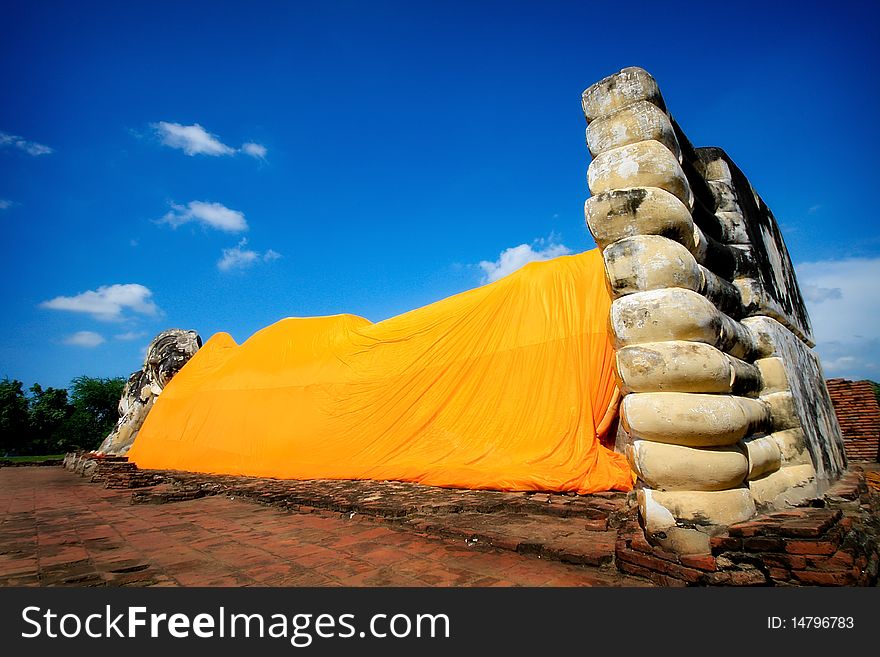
(220, 166)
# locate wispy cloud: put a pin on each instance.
(191, 139)
(515, 257)
(108, 302)
(88, 339)
(240, 257)
(29, 147)
(212, 215)
(129, 335)
(818, 294)
(5, 204)
(195, 140)
(843, 300)
(840, 364)
(257, 151)
(813, 209)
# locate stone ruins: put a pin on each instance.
(726, 411)
(166, 355)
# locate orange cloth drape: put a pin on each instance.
(508, 386)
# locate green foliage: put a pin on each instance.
(53, 420)
(94, 403)
(49, 413)
(14, 421)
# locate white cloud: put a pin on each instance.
(240, 257)
(195, 140)
(237, 258)
(213, 215)
(108, 302)
(191, 139)
(843, 300)
(833, 365)
(818, 294)
(88, 339)
(129, 335)
(515, 257)
(5, 204)
(257, 151)
(29, 147)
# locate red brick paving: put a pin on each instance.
(59, 529)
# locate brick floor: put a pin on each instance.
(56, 528)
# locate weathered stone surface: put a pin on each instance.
(792, 449)
(792, 483)
(680, 366)
(724, 196)
(692, 420)
(623, 88)
(644, 164)
(621, 213)
(639, 121)
(698, 507)
(756, 302)
(167, 354)
(653, 262)
(812, 404)
(782, 410)
(677, 302)
(714, 169)
(650, 262)
(677, 314)
(674, 467)
(764, 456)
(773, 376)
(779, 295)
(733, 227)
(729, 261)
(685, 542)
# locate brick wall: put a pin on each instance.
(859, 416)
(803, 546)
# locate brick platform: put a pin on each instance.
(833, 543)
(569, 528)
(59, 529)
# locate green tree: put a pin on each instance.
(95, 402)
(14, 425)
(49, 412)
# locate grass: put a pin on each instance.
(32, 459)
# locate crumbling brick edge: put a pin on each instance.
(832, 543)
